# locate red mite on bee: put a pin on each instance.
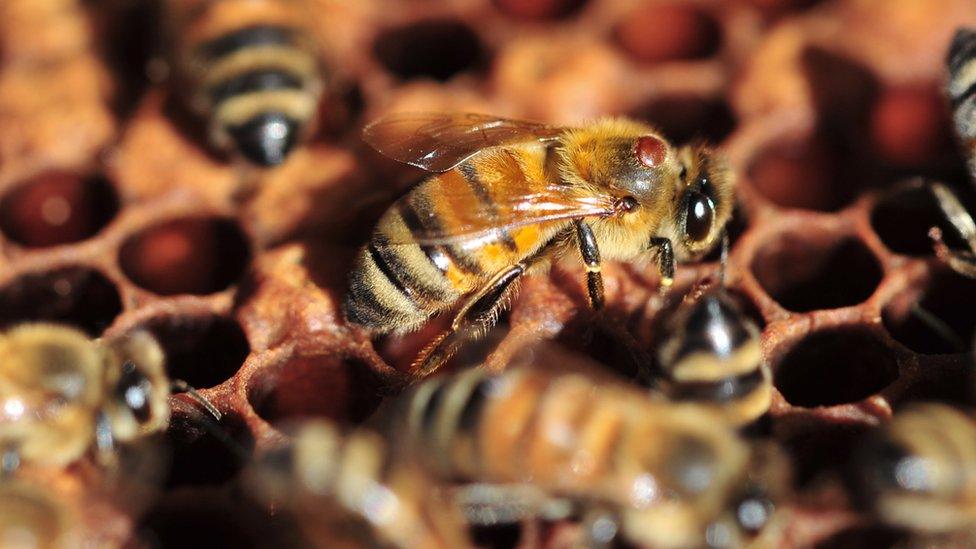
(508, 198)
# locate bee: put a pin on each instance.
(666, 472)
(325, 477)
(31, 516)
(62, 394)
(961, 261)
(961, 89)
(508, 197)
(917, 472)
(711, 356)
(251, 70)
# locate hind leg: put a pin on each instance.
(479, 313)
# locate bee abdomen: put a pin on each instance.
(962, 86)
(262, 85)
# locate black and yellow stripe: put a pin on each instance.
(259, 85)
(403, 276)
(712, 357)
(919, 471)
(962, 90)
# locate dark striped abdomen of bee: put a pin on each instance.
(398, 283)
(919, 471)
(962, 90)
(253, 72)
(711, 356)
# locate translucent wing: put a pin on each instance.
(438, 142)
(452, 213)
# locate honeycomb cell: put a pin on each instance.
(811, 173)
(910, 126)
(57, 208)
(685, 118)
(204, 351)
(834, 367)
(191, 255)
(79, 296)
(844, 92)
(343, 390)
(434, 48)
(902, 219)
(938, 317)
(539, 9)
(204, 451)
(803, 273)
(658, 32)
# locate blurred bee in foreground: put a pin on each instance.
(664, 474)
(917, 472)
(509, 197)
(251, 70)
(711, 356)
(325, 478)
(31, 516)
(61, 394)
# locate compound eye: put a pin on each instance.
(134, 389)
(651, 151)
(699, 216)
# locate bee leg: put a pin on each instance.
(477, 315)
(955, 213)
(591, 260)
(180, 386)
(961, 262)
(665, 260)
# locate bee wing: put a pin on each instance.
(456, 217)
(438, 142)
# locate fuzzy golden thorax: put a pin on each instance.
(605, 155)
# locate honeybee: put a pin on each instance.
(62, 394)
(711, 356)
(31, 516)
(512, 195)
(962, 90)
(325, 477)
(667, 473)
(251, 70)
(917, 471)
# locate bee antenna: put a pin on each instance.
(180, 386)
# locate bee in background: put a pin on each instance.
(251, 70)
(711, 356)
(961, 261)
(917, 472)
(509, 197)
(325, 477)
(961, 89)
(665, 472)
(63, 394)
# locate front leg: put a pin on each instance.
(591, 260)
(665, 260)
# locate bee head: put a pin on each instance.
(704, 198)
(137, 386)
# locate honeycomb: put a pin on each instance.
(115, 214)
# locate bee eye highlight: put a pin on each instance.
(699, 216)
(651, 151)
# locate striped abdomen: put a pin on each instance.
(569, 434)
(257, 77)
(919, 471)
(962, 89)
(326, 477)
(400, 280)
(712, 357)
